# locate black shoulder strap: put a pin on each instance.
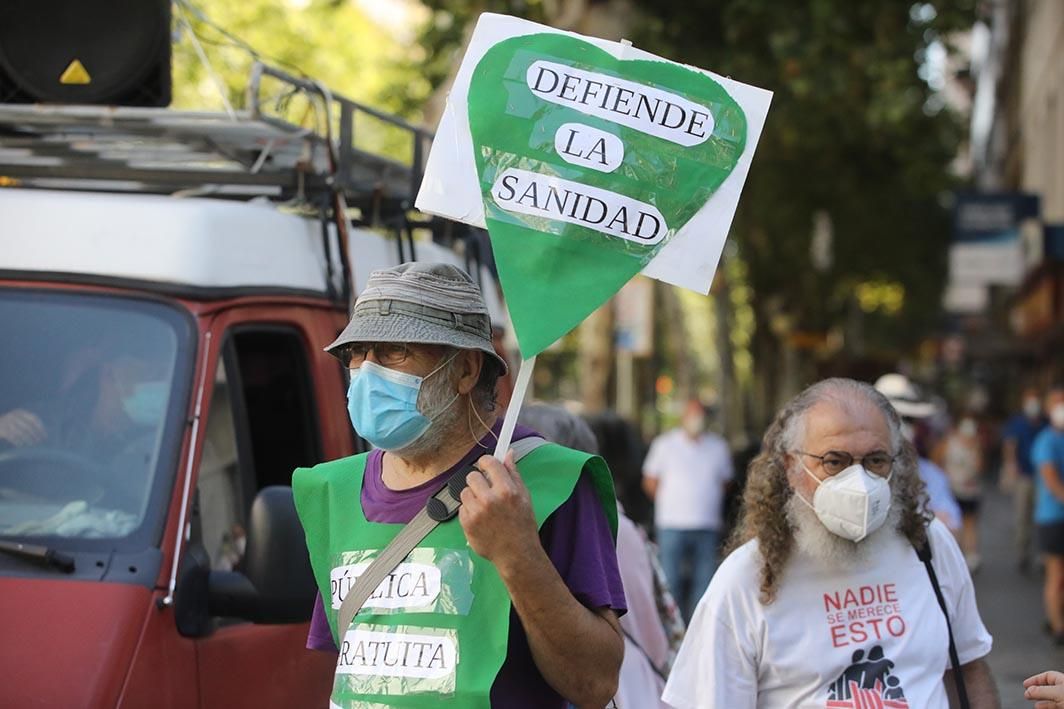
(657, 670)
(924, 554)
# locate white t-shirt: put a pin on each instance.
(874, 636)
(691, 475)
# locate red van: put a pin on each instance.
(161, 375)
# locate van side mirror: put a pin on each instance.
(277, 584)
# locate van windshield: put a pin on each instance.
(90, 411)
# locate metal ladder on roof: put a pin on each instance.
(373, 161)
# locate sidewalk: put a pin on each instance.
(1011, 606)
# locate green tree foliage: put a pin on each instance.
(442, 38)
(853, 130)
(335, 43)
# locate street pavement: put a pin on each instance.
(1011, 605)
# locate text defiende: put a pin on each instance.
(644, 108)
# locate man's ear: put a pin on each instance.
(471, 362)
(789, 461)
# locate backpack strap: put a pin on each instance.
(924, 554)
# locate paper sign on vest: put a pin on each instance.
(430, 580)
(397, 654)
(588, 161)
(398, 661)
(408, 586)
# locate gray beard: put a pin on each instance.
(452, 419)
(444, 429)
(431, 441)
(812, 538)
(436, 401)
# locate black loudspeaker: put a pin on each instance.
(114, 52)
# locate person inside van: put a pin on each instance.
(104, 395)
(100, 426)
(88, 422)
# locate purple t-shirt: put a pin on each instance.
(576, 538)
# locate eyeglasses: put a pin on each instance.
(834, 462)
(387, 354)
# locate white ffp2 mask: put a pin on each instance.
(852, 504)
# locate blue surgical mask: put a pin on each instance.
(382, 404)
(147, 404)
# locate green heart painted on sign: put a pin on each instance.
(588, 165)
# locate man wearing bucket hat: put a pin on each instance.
(913, 409)
(516, 602)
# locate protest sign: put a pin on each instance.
(588, 161)
(586, 172)
(451, 187)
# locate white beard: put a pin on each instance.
(812, 538)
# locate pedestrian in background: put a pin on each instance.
(1018, 469)
(621, 446)
(1047, 454)
(685, 474)
(961, 456)
(652, 627)
(915, 412)
(824, 601)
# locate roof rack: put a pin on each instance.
(256, 152)
(250, 153)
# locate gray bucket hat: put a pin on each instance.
(421, 303)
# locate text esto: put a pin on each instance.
(865, 613)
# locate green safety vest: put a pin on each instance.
(437, 627)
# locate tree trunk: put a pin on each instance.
(613, 20)
(678, 345)
(596, 359)
(765, 372)
(730, 402)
